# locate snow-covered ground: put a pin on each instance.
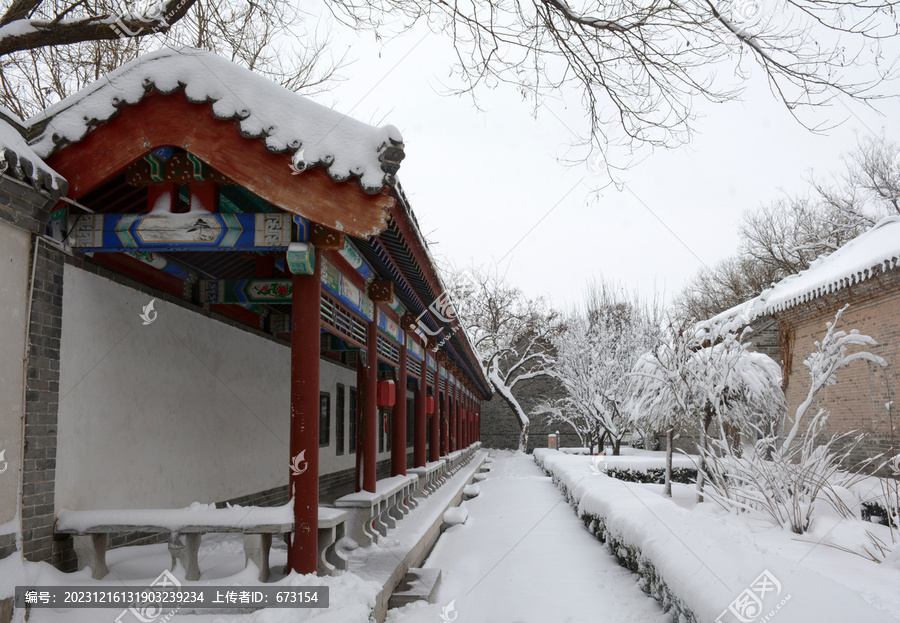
(709, 559)
(522, 555)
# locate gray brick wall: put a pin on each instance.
(23, 206)
(41, 410)
(500, 426)
(7, 545)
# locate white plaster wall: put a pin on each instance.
(181, 410)
(329, 460)
(15, 252)
(184, 409)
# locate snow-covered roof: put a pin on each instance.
(20, 161)
(878, 249)
(288, 122)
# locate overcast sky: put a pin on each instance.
(488, 186)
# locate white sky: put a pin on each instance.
(479, 181)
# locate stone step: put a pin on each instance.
(417, 584)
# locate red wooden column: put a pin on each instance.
(445, 424)
(479, 421)
(419, 424)
(434, 449)
(370, 414)
(463, 413)
(465, 420)
(398, 429)
(472, 422)
(304, 433)
(451, 417)
(469, 431)
(457, 416)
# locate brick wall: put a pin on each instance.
(41, 407)
(23, 206)
(7, 545)
(500, 427)
(857, 402)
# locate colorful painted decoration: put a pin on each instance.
(409, 322)
(346, 291)
(167, 165)
(218, 291)
(356, 260)
(389, 327)
(301, 258)
(159, 262)
(397, 306)
(185, 232)
(325, 238)
(381, 290)
(414, 348)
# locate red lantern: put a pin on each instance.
(387, 393)
(429, 405)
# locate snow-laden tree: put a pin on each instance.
(592, 356)
(702, 377)
(641, 66)
(50, 49)
(510, 331)
(785, 478)
(785, 236)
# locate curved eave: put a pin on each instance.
(160, 120)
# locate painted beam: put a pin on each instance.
(171, 120)
(390, 328)
(186, 232)
(244, 291)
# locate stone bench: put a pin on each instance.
(431, 477)
(90, 532)
(332, 528)
(372, 514)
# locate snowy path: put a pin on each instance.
(524, 557)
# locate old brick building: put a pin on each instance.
(864, 276)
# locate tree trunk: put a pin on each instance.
(617, 444)
(506, 394)
(704, 448)
(670, 440)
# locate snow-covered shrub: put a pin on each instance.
(703, 377)
(651, 582)
(785, 479)
(653, 475)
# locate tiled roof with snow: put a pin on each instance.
(286, 121)
(874, 251)
(18, 160)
